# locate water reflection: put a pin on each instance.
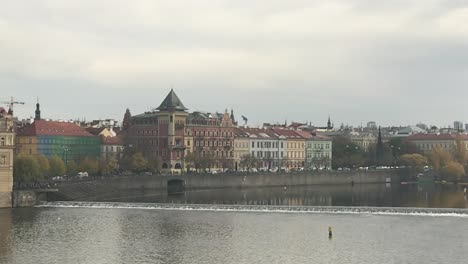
(376, 195)
(5, 234)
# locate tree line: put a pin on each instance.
(28, 168)
(447, 164)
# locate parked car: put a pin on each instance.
(82, 175)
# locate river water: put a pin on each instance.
(270, 225)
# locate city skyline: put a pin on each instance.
(397, 63)
(239, 118)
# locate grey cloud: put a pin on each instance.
(357, 60)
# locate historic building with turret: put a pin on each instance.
(7, 146)
(170, 133)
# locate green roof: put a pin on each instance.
(172, 102)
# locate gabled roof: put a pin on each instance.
(258, 133)
(117, 140)
(95, 130)
(53, 128)
(290, 134)
(172, 102)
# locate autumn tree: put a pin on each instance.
(415, 161)
(439, 158)
(26, 169)
(453, 170)
(43, 163)
(57, 166)
(91, 166)
(459, 152)
(138, 163)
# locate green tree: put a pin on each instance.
(401, 146)
(72, 168)
(347, 154)
(26, 169)
(57, 166)
(43, 163)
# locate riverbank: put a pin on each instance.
(70, 191)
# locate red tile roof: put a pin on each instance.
(53, 128)
(445, 136)
(305, 134)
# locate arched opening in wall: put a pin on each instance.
(175, 186)
(178, 166)
(164, 166)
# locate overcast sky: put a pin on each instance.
(395, 62)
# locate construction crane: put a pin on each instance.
(11, 103)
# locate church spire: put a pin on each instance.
(232, 117)
(329, 124)
(38, 111)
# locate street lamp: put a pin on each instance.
(65, 154)
(395, 149)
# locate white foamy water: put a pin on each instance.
(433, 212)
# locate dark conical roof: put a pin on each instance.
(172, 102)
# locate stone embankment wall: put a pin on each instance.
(28, 198)
(6, 185)
(82, 190)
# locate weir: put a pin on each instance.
(409, 211)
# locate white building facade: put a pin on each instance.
(319, 153)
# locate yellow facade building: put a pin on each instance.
(7, 145)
